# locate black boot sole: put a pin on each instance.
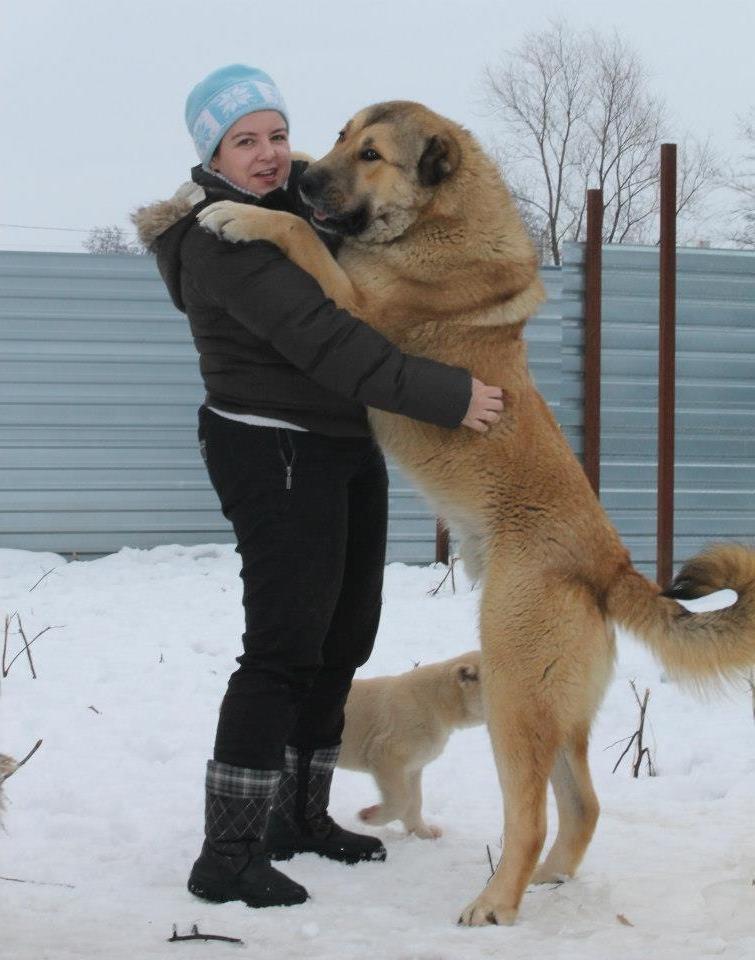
(340, 856)
(215, 893)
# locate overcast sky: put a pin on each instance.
(93, 91)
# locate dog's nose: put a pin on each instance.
(312, 183)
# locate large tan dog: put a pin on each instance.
(435, 256)
(395, 726)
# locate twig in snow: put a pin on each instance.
(27, 644)
(42, 578)
(196, 935)
(26, 647)
(490, 859)
(449, 573)
(636, 738)
(30, 754)
(10, 766)
(39, 883)
(5, 642)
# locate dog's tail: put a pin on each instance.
(697, 647)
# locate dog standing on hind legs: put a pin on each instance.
(435, 256)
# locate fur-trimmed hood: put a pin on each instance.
(162, 226)
(154, 219)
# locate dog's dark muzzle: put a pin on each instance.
(330, 212)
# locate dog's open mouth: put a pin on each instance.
(324, 221)
(348, 224)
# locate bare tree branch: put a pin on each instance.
(577, 113)
(111, 239)
(741, 181)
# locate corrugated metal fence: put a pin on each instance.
(715, 387)
(99, 391)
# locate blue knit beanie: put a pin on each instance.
(217, 102)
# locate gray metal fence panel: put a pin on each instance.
(99, 390)
(98, 395)
(715, 410)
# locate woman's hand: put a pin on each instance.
(484, 408)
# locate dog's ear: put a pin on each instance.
(467, 673)
(439, 160)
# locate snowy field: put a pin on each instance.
(104, 821)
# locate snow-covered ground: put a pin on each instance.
(103, 822)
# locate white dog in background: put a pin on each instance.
(397, 725)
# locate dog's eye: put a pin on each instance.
(341, 136)
(369, 154)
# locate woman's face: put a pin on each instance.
(255, 153)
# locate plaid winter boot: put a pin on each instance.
(299, 822)
(233, 864)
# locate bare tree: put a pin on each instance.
(578, 113)
(111, 239)
(742, 182)
(541, 96)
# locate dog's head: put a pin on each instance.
(466, 670)
(386, 166)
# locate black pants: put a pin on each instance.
(310, 516)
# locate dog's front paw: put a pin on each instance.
(228, 220)
(484, 911)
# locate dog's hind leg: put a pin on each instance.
(578, 811)
(586, 677)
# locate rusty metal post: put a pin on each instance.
(441, 542)
(592, 371)
(666, 368)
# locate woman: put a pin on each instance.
(285, 438)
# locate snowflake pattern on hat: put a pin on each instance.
(268, 93)
(237, 96)
(244, 97)
(205, 130)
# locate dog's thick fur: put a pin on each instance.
(435, 255)
(395, 726)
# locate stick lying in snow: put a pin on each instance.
(196, 935)
(39, 883)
